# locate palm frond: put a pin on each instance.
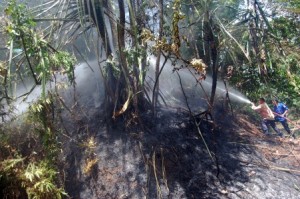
(233, 38)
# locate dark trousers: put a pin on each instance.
(266, 125)
(285, 126)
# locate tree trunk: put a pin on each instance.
(95, 10)
(121, 40)
(214, 56)
(211, 57)
(157, 67)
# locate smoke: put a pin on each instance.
(89, 91)
(197, 93)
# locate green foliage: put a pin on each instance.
(34, 173)
(286, 29)
(64, 60)
(37, 178)
(21, 21)
(40, 178)
(282, 81)
(133, 57)
(40, 118)
(111, 64)
(274, 67)
(292, 5)
(247, 79)
(42, 59)
(10, 164)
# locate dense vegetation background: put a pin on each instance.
(251, 45)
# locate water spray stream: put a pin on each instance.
(236, 96)
(170, 88)
(242, 99)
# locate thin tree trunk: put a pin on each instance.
(95, 10)
(211, 57)
(214, 56)
(157, 67)
(124, 86)
(113, 25)
(137, 69)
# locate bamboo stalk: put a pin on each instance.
(159, 194)
(164, 169)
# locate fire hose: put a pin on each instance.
(290, 121)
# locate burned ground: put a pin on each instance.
(166, 157)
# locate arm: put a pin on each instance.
(255, 107)
(285, 113)
(285, 108)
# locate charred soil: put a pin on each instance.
(169, 157)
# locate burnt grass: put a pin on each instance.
(166, 157)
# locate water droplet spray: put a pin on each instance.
(240, 98)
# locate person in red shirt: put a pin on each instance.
(268, 118)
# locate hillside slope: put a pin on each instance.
(166, 157)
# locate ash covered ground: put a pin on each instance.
(167, 158)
